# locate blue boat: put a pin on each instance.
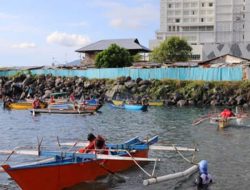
(65, 169)
(130, 106)
(135, 107)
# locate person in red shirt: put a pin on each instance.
(36, 103)
(91, 146)
(52, 100)
(226, 113)
(72, 97)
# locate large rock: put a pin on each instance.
(130, 84)
(182, 103)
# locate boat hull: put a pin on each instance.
(150, 103)
(61, 111)
(23, 105)
(135, 107)
(57, 177)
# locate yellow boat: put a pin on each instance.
(156, 103)
(223, 123)
(117, 102)
(150, 103)
(23, 105)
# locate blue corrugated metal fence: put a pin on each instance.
(196, 73)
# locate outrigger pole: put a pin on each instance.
(168, 177)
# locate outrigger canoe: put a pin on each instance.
(66, 169)
(225, 122)
(150, 103)
(61, 111)
(130, 107)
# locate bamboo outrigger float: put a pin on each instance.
(65, 169)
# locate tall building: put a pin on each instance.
(212, 27)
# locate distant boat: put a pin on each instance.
(22, 105)
(135, 107)
(61, 111)
(150, 102)
(130, 106)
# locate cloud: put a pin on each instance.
(68, 40)
(24, 45)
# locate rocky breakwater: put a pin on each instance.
(181, 93)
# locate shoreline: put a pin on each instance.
(172, 92)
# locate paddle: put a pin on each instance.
(120, 179)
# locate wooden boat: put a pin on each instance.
(150, 103)
(66, 169)
(117, 102)
(156, 103)
(225, 122)
(22, 105)
(130, 107)
(61, 111)
(71, 106)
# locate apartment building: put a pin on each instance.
(212, 27)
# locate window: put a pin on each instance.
(210, 4)
(195, 57)
(177, 20)
(169, 28)
(203, 4)
(169, 5)
(202, 19)
(243, 26)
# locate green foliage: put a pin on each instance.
(113, 57)
(23, 72)
(172, 49)
(137, 57)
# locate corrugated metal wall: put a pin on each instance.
(197, 73)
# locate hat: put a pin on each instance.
(203, 167)
(91, 137)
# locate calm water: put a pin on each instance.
(227, 151)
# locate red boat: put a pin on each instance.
(66, 169)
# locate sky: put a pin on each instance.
(42, 32)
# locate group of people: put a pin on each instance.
(96, 145)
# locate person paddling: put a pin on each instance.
(91, 146)
(226, 113)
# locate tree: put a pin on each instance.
(172, 49)
(113, 57)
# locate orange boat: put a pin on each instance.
(66, 169)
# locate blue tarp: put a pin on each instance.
(195, 73)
